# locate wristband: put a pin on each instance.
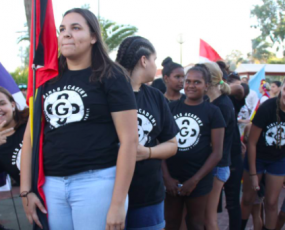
(149, 153)
(25, 194)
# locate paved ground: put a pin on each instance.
(9, 220)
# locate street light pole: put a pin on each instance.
(180, 40)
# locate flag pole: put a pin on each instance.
(34, 53)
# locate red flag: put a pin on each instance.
(207, 53)
(46, 55)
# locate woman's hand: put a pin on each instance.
(188, 186)
(4, 133)
(143, 153)
(116, 217)
(171, 186)
(254, 182)
(31, 203)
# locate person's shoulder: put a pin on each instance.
(174, 104)
(269, 103)
(151, 90)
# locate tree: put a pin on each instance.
(20, 75)
(260, 51)
(271, 21)
(234, 59)
(113, 34)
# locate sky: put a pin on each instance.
(224, 24)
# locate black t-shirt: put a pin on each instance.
(10, 153)
(194, 139)
(155, 123)
(236, 145)
(79, 134)
(228, 112)
(266, 119)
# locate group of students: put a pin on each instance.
(119, 154)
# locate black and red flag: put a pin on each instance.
(43, 66)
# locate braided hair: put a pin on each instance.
(169, 66)
(279, 128)
(132, 49)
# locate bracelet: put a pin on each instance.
(253, 174)
(149, 153)
(25, 194)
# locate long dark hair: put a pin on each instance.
(19, 116)
(279, 129)
(101, 64)
(132, 49)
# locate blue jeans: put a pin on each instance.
(222, 173)
(80, 201)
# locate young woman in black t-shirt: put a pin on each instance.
(12, 127)
(188, 175)
(218, 92)
(173, 77)
(157, 130)
(90, 134)
(266, 155)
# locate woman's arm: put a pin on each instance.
(31, 202)
(251, 146)
(217, 137)
(161, 151)
(127, 130)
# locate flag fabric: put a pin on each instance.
(207, 53)
(254, 82)
(46, 54)
(8, 83)
(46, 63)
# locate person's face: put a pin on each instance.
(75, 40)
(176, 79)
(6, 109)
(150, 67)
(195, 85)
(274, 89)
(244, 80)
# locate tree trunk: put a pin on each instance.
(28, 9)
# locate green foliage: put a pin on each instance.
(234, 59)
(20, 75)
(113, 34)
(275, 60)
(271, 21)
(260, 50)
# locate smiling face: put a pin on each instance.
(195, 85)
(75, 40)
(6, 110)
(175, 80)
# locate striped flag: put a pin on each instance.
(45, 61)
(207, 53)
(8, 83)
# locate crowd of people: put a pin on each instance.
(119, 153)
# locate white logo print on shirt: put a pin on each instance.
(64, 107)
(189, 135)
(146, 122)
(16, 157)
(271, 134)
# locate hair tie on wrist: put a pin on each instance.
(222, 82)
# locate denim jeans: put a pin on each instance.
(80, 201)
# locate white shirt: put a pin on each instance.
(251, 100)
